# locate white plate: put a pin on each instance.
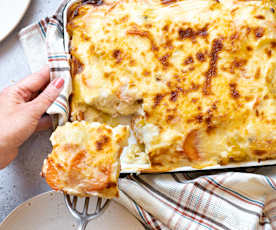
(11, 13)
(48, 211)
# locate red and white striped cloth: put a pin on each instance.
(232, 200)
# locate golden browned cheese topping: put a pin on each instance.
(85, 159)
(198, 77)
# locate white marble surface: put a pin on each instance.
(21, 180)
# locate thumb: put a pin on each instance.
(42, 102)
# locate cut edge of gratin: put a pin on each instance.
(85, 160)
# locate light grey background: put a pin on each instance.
(21, 180)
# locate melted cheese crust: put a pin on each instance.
(198, 77)
(85, 159)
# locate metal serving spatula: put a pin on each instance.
(83, 217)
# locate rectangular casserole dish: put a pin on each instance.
(237, 65)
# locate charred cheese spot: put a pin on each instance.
(208, 121)
(259, 152)
(257, 103)
(117, 54)
(189, 60)
(259, 32)
(102, 142)
(217, 46)
(200, 56)
(261, 17)
(170, 118)
(237, 64)
(166, 27)
(157, 99)
(199, 118)
(165, 60)
(187, 33)
(214, 106)
(268, 53)
(174, 95)
(140, 101)
(249, 48)
(203, 31)
(190, 33)
(165, 2)
(233, 90)
(169, 44)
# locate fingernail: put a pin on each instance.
(58, 83)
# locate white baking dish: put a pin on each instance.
(136, 168)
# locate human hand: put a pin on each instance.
(22, 109)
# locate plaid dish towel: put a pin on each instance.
(233, 201)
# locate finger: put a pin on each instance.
(45, 123)
(42, 102)
(35, 81)
(34, 95)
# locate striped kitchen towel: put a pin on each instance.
(232, 200)
(45, 39)
(236, 201)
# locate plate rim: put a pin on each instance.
(22, 205)
(16, 24)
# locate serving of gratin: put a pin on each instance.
(85, 159)
(195, 80)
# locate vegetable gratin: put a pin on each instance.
(195, 80)
(85, 159)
